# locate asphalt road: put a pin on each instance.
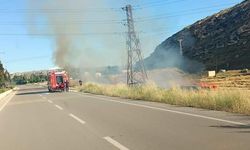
(34, 119)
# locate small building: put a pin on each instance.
(211, 73)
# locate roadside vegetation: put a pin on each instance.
(2, 90)
(29, 78)
(4, 79)
(231, 79)
(236, 101)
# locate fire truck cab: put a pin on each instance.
(58, 81)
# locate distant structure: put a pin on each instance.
(136, 73)
(180, 42)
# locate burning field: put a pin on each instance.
(237, 101)
(171, 89)
(74, 47)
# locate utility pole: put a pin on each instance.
(136, 73)
(180, 42)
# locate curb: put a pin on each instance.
(4, 94)
(4, 102)
(72, 89)
(75, 91)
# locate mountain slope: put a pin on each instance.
(221, 41)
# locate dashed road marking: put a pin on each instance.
(50, 101)
(115, 143)
(76, 118)
(73, 91)
(59, 107)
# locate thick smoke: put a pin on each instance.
(171, 66)
(79, 41)
(68, 21)
(168, 55)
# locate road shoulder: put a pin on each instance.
(5, 98)
(234, 117)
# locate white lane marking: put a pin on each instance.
(115, 143)
(73, 91)
(50, 101)
(172, 111)
(7, 101)
(59, 107)
(76, 118)
(40, 95)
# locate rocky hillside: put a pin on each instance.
(220, 41)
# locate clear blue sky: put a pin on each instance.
(157, 20)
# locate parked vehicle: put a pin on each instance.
(58, 81)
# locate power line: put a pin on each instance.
(27, 59)
(157, 4)
(139, 19)
(63, 23)
(104, 33)
(190, 10)
(80, 34)
(61, 34)
(61, 11)
(177, 15)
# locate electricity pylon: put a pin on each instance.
(136, 73)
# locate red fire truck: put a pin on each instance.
(58, 81)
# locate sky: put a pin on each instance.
(155, 20)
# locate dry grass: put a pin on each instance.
(2, 90)
(236, 101)
(73, 83)
(232, 79)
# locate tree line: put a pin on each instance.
(5, 78)
(29, 78)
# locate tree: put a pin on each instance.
(20, 79)
(2, 75)
(7, 76)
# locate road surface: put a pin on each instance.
(34, 119)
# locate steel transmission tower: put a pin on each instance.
(136, 73)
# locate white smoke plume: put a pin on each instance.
(79, 37)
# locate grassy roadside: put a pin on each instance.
(2, 90)
(236, 101)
